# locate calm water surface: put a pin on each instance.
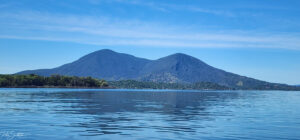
(147, 114)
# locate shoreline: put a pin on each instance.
(61, 87)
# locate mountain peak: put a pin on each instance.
(181, 57)
(179, 54)
(104, 51)
(100, 53)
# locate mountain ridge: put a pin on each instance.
(176, 68)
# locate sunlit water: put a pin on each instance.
(147, 114)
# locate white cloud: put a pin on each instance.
(167, 7)
(107, 31)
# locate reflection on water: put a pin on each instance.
(138, 114)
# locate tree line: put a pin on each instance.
(132, 84)
(32, 80)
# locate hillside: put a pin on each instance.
(177, 68)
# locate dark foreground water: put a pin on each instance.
(145, 114)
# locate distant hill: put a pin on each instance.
(104, 64)
(177, 68)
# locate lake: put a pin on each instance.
(148, 114)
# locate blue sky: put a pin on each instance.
(255, 38)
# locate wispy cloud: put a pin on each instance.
(108, 31)
(149, 4)
(168, 7)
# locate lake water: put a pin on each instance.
(148, 114)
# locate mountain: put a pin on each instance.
(177, 68)
(104, 64)
(184, 68)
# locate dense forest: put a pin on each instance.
(132, 84)
(33, 80)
